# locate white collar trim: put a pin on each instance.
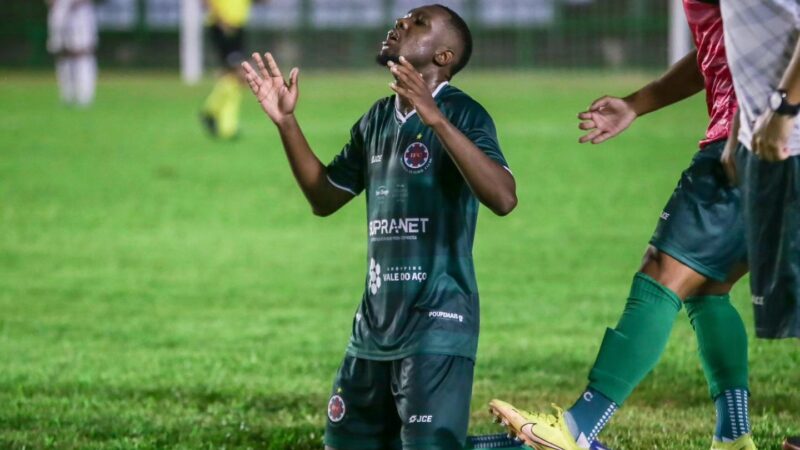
(403, 118)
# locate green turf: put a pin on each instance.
(159, 289)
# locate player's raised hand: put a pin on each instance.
(605, 118)
(771, 136)
(410, 85)
(277, 97)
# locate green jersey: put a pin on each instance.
(420, 293)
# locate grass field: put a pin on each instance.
(162, 290)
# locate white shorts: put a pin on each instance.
(72, 27)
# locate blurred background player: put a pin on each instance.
(695, 256)
(763, 40)
(72, 39)
(227, 19)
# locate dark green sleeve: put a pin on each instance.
(346, 171)
(478, 126)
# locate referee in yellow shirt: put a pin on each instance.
(226, 22)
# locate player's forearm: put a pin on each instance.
(791, 77)
(733, 133)
(491, 183)
(681, 81)
(308, 170)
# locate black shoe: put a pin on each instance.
(792, 443)
(209, 123)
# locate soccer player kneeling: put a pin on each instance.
(425, 157)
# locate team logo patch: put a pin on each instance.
(336, 409)
(416, 158)
(381, 192)
(374, 276)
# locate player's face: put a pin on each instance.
(417, 36)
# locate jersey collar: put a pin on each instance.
(403, 118)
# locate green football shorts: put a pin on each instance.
(418, 402)
(702, 224)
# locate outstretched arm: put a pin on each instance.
(278, 99)
(609, 116)
(491, 183)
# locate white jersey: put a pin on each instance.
(71, 27)
(760, 38)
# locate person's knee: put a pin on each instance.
(671, 273)
(655, 264)
(713, 287)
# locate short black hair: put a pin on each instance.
(462, 29)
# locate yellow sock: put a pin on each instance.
(228, 115)
(223, 105)
(214, 100)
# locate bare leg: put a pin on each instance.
(681, 279)
(671, 273)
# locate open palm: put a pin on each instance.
(277, 97)
(606, 118)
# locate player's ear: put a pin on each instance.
(444, 57)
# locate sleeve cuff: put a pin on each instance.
(339, 186)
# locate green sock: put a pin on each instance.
(722, 343)
(721, 340)
(631, 350)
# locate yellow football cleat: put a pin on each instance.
(745, 442)
(537, 430)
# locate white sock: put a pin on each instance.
(85, 79)
(65, 75)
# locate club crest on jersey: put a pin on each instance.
(416, 158)
(336, 409)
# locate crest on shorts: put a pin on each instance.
(336, 409)
(416, 158)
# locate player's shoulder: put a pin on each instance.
(376, 112)
(458, 101)
(384, 105)
(458, 104)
